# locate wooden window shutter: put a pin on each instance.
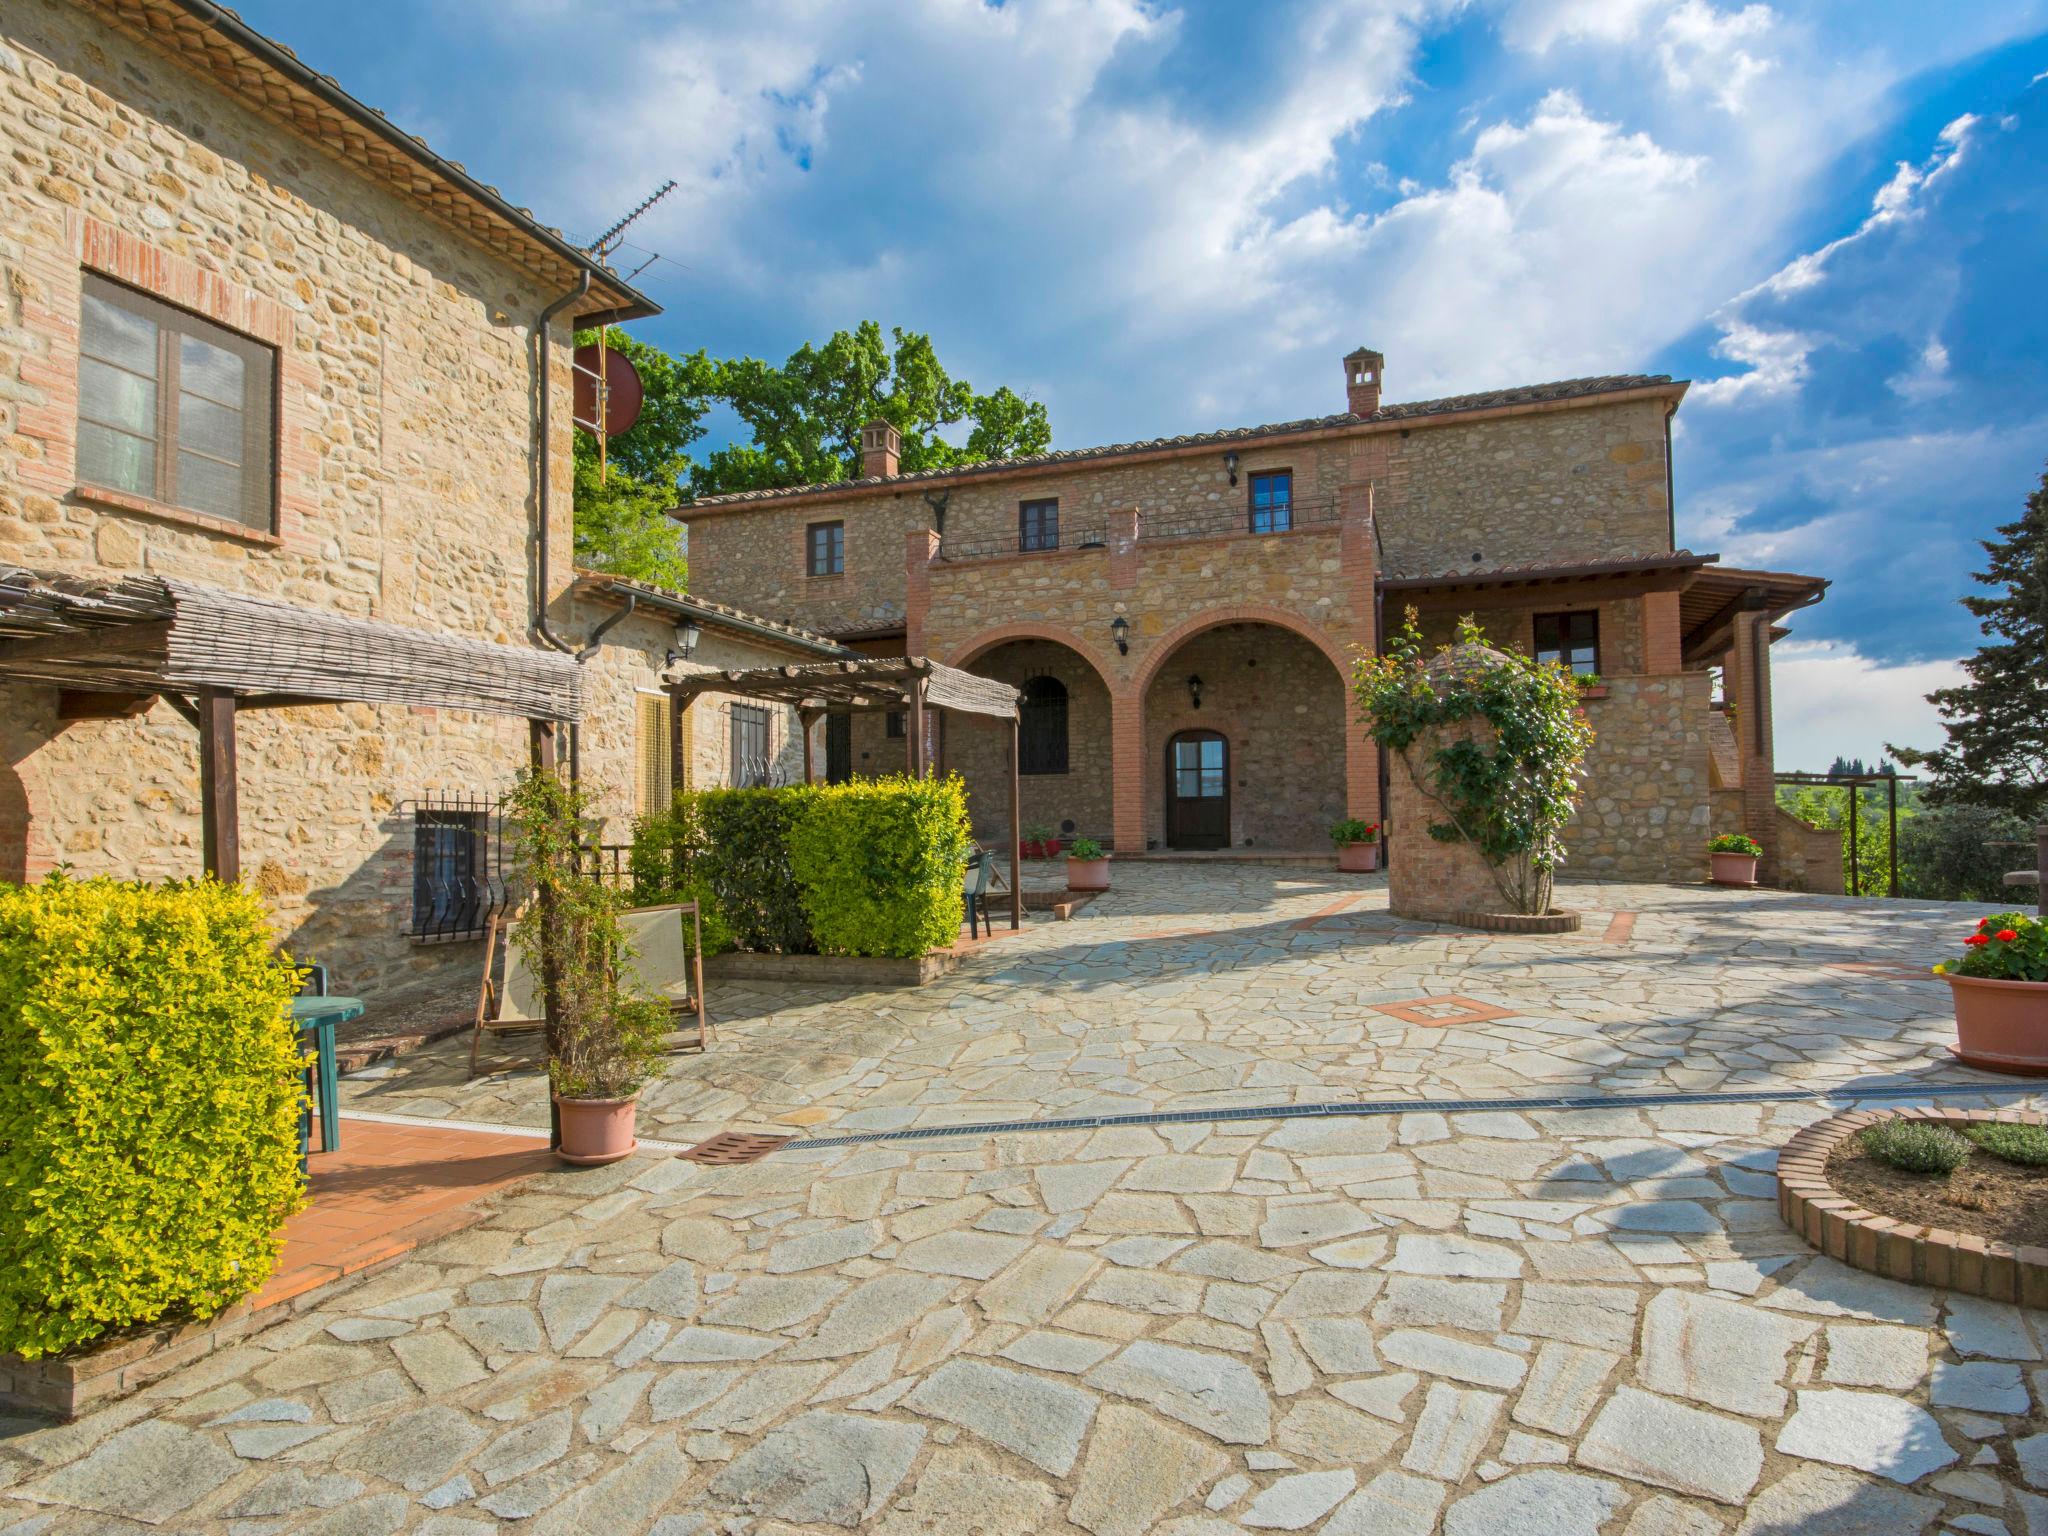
(652, 784)
(686, 750)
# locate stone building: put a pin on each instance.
(1181, 614)
(257, 339)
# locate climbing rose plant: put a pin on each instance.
(1507, 789)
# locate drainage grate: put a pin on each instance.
(729, 1148)
(1413, 1106)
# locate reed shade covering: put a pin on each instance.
(876, 683)
(150, 634)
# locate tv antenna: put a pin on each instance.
(608, 391)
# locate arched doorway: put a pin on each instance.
(1197, 790)
(1063, 739)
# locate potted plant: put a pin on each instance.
(1734, 858)
(1039, 842)
(2000, 988)
(601, 1041)
(1358, 845)
(1087, 865)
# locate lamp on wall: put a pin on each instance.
(687, 635)
(1195, 691)
(1230, 463)
(1120, 632)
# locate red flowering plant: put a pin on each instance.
(2007, 946)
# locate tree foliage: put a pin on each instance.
(1508, 787)
(1996, 754)
(622, 521)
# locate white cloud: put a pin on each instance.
(1928, 381)
(1775, 359)
(1707, 49)
(1829, 700)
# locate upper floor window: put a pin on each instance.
(175, 408)
(1273, 501)
(827, 549)
(1042, 726)
(1570, 638)
(1038, 524)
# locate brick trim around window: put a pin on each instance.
(51, 310)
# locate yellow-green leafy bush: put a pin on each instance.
(879, 864)
(149, 1103)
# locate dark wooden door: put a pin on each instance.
(838, 748)
(1198, 791)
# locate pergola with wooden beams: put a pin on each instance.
(113, 647)
(912, 684)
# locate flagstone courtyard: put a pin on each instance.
(1394, 1323)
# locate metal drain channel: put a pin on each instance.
(1398, 1107)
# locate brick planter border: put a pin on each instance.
(1899, 1250)
(1554, 921)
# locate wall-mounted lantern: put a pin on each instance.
(687, 635)
(1230, 463)
(1120, 632)
(1195, 691)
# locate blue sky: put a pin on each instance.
(1163, 218)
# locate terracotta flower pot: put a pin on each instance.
(2001, 1026)
(596, 1130)
(1358, 858)
(1087, 874)
(1734, 868)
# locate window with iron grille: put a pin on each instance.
(1042, 727)
(750, 759)
(1038, 524)
(827, 549)
(1273, 501)
(1572, 638)
(452, 890)
(175, 408)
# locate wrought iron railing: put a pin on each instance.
(1210, 521)
(458, 866)
(1068, 539)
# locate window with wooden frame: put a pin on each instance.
(1042, 727)
(1038, 524)
(1272, 493)
(174, 408)
(751, 761)
(892, 725)
(1570, 638)
(826, 544)
(653, 744)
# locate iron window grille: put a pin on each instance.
(1042, 727)
(1570, 638)
(827, 549)
(752, 762)
(1038, 525)
(1273, 501)
(458, 874)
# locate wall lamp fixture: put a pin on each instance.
(1230, 462)
(1195, 691)
(1120, 632)
(687, 635)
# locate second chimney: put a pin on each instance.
(881, 449)
(1362, 370)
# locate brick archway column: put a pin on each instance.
(1127, 766)
(1750, 660)
(1358, 554)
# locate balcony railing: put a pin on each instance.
(1095, 536)
(1206, 521)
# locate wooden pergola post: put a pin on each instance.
(805, 719)
(220, 824)
(915, 724)
(1016, 832)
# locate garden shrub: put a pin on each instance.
(1917, 1146)
(664, 867)
(1953, 852)
(879, 864)
(149, 1106)
(745, 865)
(2023, 1144)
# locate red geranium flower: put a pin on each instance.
(2006, 935)
(1983, 922)
(1977, 938)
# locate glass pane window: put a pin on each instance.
(1273, 501)
(174, 408)
(827, 549)
(1038, 524)
(1198, 769)
(1572, 639)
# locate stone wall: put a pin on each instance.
(1810, 857)
(407, 399)
(1647, 811)
(978, 750)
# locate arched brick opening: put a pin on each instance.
(1073, 797)
(1243, 613)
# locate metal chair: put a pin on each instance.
(980, 864)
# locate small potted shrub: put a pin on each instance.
(1039, 843)
(1087, 865)
(1734, 858)
(601, 1042)
(1358, 845)
(2000, 988)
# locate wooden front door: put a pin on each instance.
(838, 748)
(1198, 791)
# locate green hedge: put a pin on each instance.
(871, 867)
(149, 1105)
(879, 863)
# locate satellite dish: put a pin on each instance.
(623, 392)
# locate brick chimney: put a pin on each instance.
(1362, 370)
(881, 448)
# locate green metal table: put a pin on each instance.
(316, 1017)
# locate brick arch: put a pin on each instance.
(1238, 613)
(1004, 634)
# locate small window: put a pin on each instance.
(1273, 501)
(1571, 638)
(1038, 524)
(654, 742)
(751, 764)
(893, 726)
(450, 878)
(827, 549)
(174, 408)
(1042, 727)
